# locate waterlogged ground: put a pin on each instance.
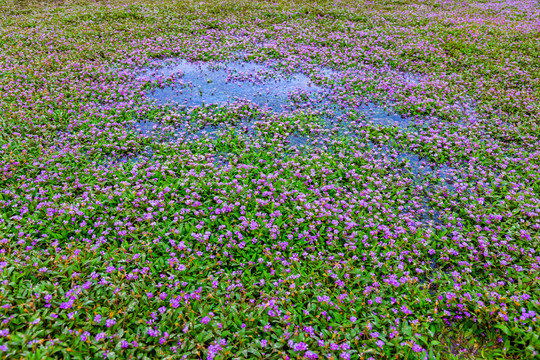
(229, 180)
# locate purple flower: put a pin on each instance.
(301, 346)
(153, 332)
(85, 336)
(406, 310)
(205, 320)
(175, 303)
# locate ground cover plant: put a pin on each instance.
(277, 180)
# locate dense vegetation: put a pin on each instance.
(368, 241)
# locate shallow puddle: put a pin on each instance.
(204, 83)
(140, 156)
(374, 114)
(191, 84)
(146, 127)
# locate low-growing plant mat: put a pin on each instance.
(137, 229)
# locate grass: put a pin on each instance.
(117, 244)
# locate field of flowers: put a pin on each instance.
(277, 180)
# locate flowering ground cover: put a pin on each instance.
(243, 179)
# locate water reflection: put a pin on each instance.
(204, 83)
(189, 84)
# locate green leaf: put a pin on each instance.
(503, 328)
(255, 352)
